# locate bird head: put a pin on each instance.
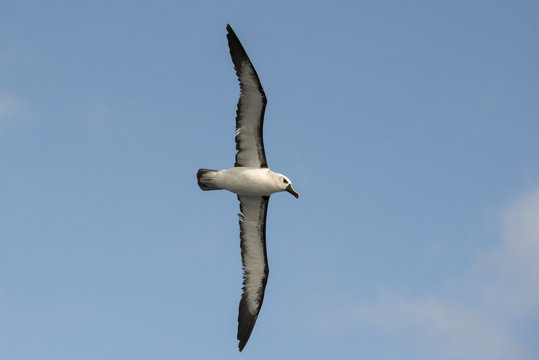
(286, 185)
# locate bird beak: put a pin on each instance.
(291, 190)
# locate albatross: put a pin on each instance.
(253, 183)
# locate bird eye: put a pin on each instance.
(284, 180)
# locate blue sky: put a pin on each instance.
(410, 129)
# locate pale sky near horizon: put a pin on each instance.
(410, 129)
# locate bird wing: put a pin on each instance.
(251, 107)
(255, 262)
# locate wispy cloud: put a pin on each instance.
(478, 321)
(452, 328)
(7, 105)
(9, 108)
(515, 261)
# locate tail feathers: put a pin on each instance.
(206, 179)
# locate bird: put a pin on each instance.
(253, 182)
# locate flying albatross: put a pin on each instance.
(253, 182)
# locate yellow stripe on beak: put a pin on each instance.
(291, 190)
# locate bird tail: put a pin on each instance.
(206, 179)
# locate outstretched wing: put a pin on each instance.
(255, 262)
(251, 107)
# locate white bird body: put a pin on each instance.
(249, 181)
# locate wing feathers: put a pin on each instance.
(255, 262)
(250, 110)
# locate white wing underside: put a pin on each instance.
(249, 120)
(250, 110)
(254, 259)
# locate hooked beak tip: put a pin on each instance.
(291, 190)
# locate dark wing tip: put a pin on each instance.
(238, 53)
(246, 323)
(230, 31)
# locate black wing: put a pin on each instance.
(255, 262)
(251, 107)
